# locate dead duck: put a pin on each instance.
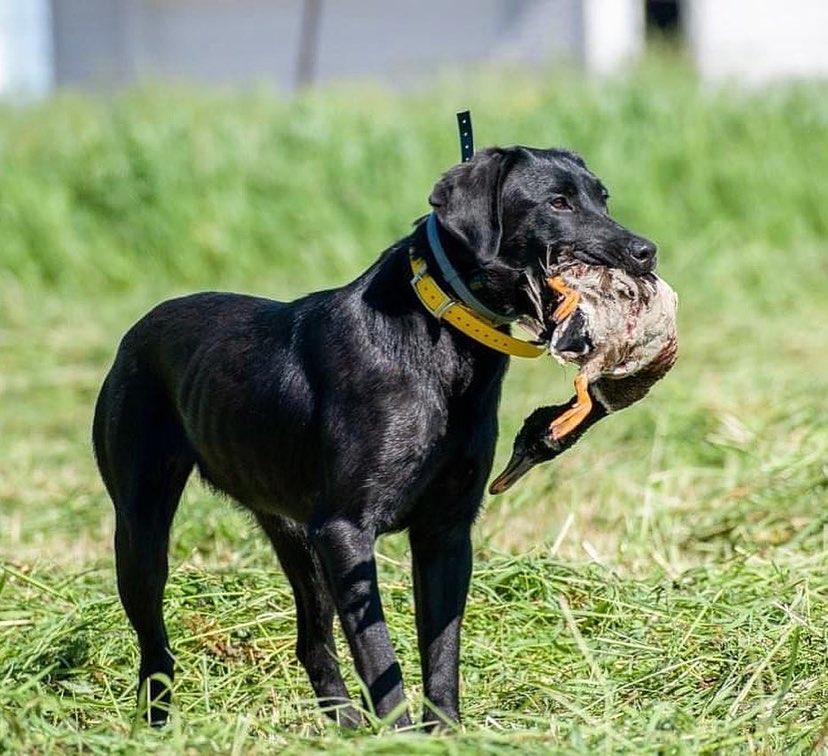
(614, 326)
(621, 332)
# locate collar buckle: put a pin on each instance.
(440, 310)
(419, 276)
(421, 273)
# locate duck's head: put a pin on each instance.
(532, 446)
(534, 443)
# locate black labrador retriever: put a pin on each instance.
(341, 416)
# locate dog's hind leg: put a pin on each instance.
(145, 461)
(315, 647)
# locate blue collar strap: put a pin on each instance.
(453, 277)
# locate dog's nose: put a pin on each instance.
(643, 252)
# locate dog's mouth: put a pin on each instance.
(594, 258)
(608, 258)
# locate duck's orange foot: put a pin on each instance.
(569, 302)
(576, 414)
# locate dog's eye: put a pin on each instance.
(561, 203)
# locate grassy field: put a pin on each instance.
(661, 588)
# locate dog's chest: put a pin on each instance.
(443, 471)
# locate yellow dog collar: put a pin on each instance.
(463, 318)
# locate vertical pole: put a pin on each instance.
(308, 43)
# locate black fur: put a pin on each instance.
(340, 416)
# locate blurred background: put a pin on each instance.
(102, 45)
(150, 148)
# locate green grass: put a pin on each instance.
(661, 588)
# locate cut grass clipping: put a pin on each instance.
(660, 588)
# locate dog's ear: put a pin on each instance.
(468, 204)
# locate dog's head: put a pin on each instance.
(512, 209)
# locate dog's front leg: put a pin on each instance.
(347, 553)
(442, 565)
